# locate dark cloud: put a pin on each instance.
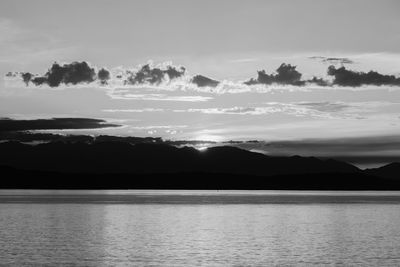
(74, 73)
(26, 77)
(334, 60)
(26, 136)
(342, 145)
(340, 60)
(202, 81)
(11, 125)
(318, 81)
(288, 75)
(149, 75)
(39, 80)
(285, 74)
(82, 72)
(103, 75)
(173, 73)
(11, 74)
(37, 137)
(345, 77)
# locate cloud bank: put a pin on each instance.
(83, 73)
(166, 76)
(285, 74)
(345, 77)
(74, 73)
(327, 110)
(153, 75)
(364, 151)
(202, 81)
(11, 125)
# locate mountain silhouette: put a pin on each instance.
(162, 166)
(390, 171)
(117, 157)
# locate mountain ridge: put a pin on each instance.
(161, 166)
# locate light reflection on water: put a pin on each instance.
(89, 232)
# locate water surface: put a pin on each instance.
(192, 228)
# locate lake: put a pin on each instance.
(199, 228)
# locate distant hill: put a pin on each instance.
(146, 165)
(390, 171)
(117, 157)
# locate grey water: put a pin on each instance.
(199, 228)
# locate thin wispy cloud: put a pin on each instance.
(371, 110)
(326, 106)
(152, 127)
(272, 108)
(118, 95)
(134, 110)
(333, 60)
(308, 110)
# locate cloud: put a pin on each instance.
(286, 74)
(328, 110)
(153, 75)
(333, 60)
(167, 77)
(77, 73)
(350, 145)
(325, 110)
(345, 77)
(124, 94)
(152, 127)
(346, 110)
(232, 110)
(318, 81)
(202, 81)
(293, 109)
(103, 75)
(325, 106)
(133, 110)
(11, 125)
(74, 73)
(26, 77)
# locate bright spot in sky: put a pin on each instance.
(208, 137)
(202, 148)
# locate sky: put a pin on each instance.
(227, 41)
